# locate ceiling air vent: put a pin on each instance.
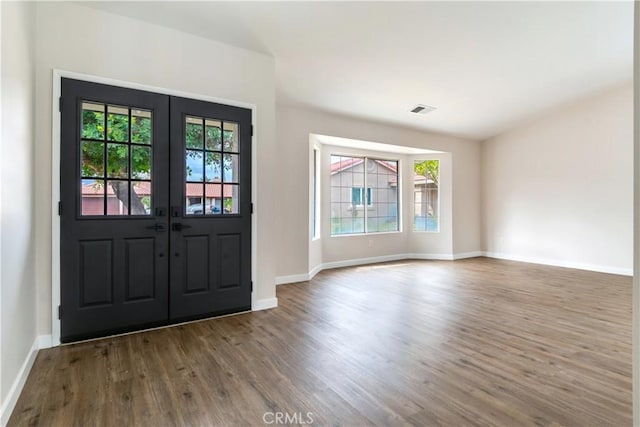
(422, 109)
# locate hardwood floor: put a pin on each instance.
(470, 342)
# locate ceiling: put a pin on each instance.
(486, 66)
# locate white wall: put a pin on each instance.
(75, 38)
(297, 256)
(560, 189)
(17, 261)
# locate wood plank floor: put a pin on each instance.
(470, 342)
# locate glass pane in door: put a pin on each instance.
(211, 156)
(116, 160)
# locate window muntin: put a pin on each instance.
(212, 167)
(116, 160)
(426, 195)
(350, 176)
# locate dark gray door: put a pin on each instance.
(148, 237)
(210, 209)
(114, 224)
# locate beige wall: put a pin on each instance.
(560, 188)
(298, 256)
(17, 281)
(75, 38)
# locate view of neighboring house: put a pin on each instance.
(349, 196)
(93, 194)
(426, 204)
(214, 198)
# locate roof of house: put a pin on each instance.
(350, 162)
(347, 163)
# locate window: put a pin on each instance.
(115, 160)
(357, 196)
(426, 196)
(212, 166)
(356, 211)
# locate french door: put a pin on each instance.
(155, 209)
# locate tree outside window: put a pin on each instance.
(426, 195)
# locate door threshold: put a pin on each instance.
(155, 328)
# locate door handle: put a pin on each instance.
(177, 226)
(157, 227)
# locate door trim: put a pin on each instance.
(57, 76)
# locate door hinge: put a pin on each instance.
(251, 208)
(59, 208)
(60, 104)
(252, 286)
(59, 312)
(251, 130)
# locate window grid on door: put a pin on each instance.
(212, 166)
(115, 160)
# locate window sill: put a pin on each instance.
(377, 233)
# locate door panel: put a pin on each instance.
(210, 209)
(230, 260)
(96, 272)
(140, 268)
(196, 256)
(114, 268)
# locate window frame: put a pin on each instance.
(370, 206)
(413, 207)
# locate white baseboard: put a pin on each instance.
(464, 255)
(296, 278)
(560, 263)
(363, 261)
(437, 257)
(45, 341)
(264, 304)
(42, 341)
(315, 270)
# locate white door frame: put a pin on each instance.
(55, 176)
